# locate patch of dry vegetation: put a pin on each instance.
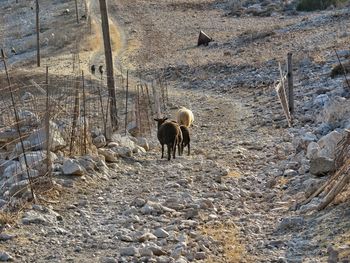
(230, 248)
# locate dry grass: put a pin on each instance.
(234, 174)
(227, 236)
(7, 218)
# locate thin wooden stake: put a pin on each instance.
(146, 109)
(17, 125)
(344, 71)
(75, 116)
(48, 160)
(76, 11)
(290, 83)
(138, 109)
(84, 112)
(126, 99)
(37, 33)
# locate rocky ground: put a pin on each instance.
(234, 199)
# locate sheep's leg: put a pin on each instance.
(188, 149)
(179, 149)
(169, 151)
(162, 151)
(174, 150)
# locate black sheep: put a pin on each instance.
(93, 69)
(169, 133)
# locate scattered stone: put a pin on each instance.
(72, 167)
(6, 237)
(4, 257)
(290, 173)
(161, 233)
(109, 155)
(321, 166)
(99, 141)
(129, 251)
(146, 237)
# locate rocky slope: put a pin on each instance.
(234, 198)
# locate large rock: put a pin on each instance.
(14, 168)
(99, 141)
(312, 150)
(72, 167)
(19, 189)
(19, 149)
(143, 143)
(38, 138)
(109, 155)
(335, 110)
(28, 118)
(34, 160)
(329, 143)
(321, 166)
(123, 141)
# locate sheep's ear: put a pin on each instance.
(156, 119)
(165, 118)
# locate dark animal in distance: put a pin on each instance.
(83, 17)
(100, 69)
(169, 133)
(93, 69)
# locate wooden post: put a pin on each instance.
(77, 11)
(126, 99)
(75, 116)
(156, 101)
(138, 118)
(290, 83)
(145, 109)
(37, 33)
(84, 112)
(109, 64)
(149, 100)
(47, 124)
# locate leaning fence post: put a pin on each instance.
(126, 99)
(48, 160)
(75, 115)
(37, 33)
(84, 112)
(17, 126)
(290, 83)
(156, 100)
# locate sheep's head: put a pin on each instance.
(160, 121)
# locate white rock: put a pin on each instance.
(312, 150)
(28, 118)
(27, 96)
(38, 138)
(143, 143)
(109, 155)
(161, 233)
(329, 143)
(72, 167)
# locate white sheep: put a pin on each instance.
(185, 117)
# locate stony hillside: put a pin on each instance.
(238, 196)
